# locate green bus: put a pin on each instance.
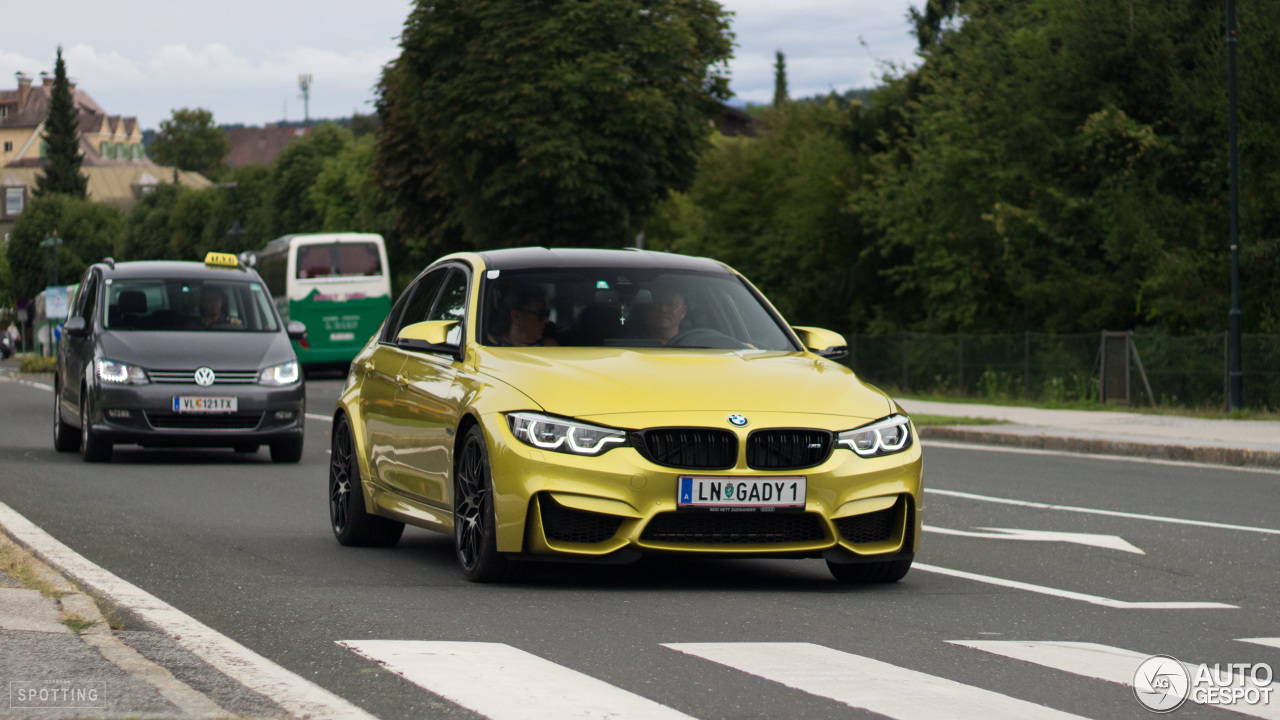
(337, 284)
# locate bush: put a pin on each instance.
(37, 364)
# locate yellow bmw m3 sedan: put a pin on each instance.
(598, 405)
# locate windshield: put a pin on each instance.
(346, 259)
(188, 305)
(612, 307)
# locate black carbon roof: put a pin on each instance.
(164, 269)
(539, 258)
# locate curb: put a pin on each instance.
(1236, 457)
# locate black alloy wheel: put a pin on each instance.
(65, 436)
(474, 521)
(92, 447)
(352, 524)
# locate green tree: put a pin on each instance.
(190, 141)
(295, 170)
(90, 231)
(62, 141)
(779, 81)
(557, 122)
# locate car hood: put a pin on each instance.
(190, 350)
(582, 382)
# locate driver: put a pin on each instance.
(213, 309)
(666, 314)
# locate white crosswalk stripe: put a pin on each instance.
(1102, 662)
(861, 682)
(504, 683)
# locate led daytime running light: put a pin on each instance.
(550, 433)
(870, 440)
(120, 373)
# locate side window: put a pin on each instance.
(421, 296)
(90, 299)
(452, 304)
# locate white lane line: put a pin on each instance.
(1094, 511)
(301, 697)
(28, 383)
(868, 684)
(1078, 455)
(1110, 542)
(315, 416)
(506, 683)
(1269, 642)
(1071, 595)
(1102, 662)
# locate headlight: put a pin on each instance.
(567, 436)
(282, 374)
(121, 374)
(882, 437)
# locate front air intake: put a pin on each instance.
(563, 524)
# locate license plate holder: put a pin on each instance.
(205, 405)
(741, 494)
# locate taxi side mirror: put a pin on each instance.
(296, 331)
(76, 326)
(430, 336)
(824, 343)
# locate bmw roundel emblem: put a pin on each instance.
(738, 420)
(204, 377)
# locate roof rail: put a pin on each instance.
(109, 262)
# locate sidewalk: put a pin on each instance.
(1253, 443)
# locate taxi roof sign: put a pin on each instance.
(221, 259)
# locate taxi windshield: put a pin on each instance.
(627, 307)
(188, 305)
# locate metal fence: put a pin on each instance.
(1184, 371)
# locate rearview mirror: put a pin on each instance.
(430, 336)
(76, 326)
(296, 330)
(824, 343)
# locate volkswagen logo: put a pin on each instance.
(204, 377)
(738, 420)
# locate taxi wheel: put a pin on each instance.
(474, 521)
(286, 451)
(352, 525)
(65, 437)
(889, 571)
(92, 447)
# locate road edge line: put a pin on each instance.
(297, 695)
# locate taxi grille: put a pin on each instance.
(562, 524)
(689, 448)
(787, 449)
(707, 528)
(870, 527)
(178, 421)
(188, 377)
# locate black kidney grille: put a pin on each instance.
(871, 527)
(787, 449)
(733, 528)
(690, 448)
(201, 421)
(562, 524)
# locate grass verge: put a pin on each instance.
(922, 420)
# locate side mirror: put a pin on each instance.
(296, 331)
(76, 326)
(430, 336)
(823, 343)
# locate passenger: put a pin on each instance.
(213, 310)
(665, 314)
(524, 322)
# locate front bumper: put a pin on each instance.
(620, 504)
(144, 414)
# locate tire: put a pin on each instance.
(286, 451)
(92, 447)
(888, 571)
(65, 437)
(352, 525)
(474, 522)
(247, 449)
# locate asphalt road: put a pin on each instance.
(245, 547)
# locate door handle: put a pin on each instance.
(402, 380)
(367, 365)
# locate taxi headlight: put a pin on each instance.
(120, 373)
(882, 437)
(282, 374)
(560, 435)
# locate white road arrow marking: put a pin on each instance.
(1110, 542)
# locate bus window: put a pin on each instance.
(314, 261)
(358, 259)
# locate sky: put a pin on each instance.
(241, 58)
